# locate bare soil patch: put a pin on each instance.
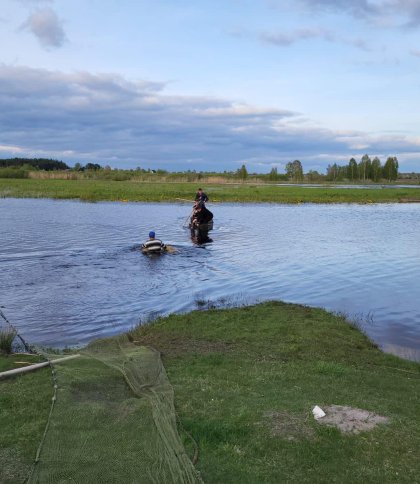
(353, 420)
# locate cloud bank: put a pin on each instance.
(108, 119)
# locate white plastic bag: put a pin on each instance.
(318, 412)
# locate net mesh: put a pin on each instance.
(113, 421)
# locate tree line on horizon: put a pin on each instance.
(365, 170)
(36, 163)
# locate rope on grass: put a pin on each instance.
(47, 425)
(32, 351)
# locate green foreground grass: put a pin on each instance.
(24, 406)
(245, 382)
(97, 190)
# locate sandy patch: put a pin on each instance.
(349, 419)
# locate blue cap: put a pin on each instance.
(151, 234)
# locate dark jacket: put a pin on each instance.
(203, 216)
(201, 198)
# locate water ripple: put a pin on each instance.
(71, 272)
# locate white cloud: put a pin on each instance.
(11, 149)
(47, 27)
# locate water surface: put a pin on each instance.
(71, 271)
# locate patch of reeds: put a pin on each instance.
(234, 301)
(13, 173)
(53, 175)
(7, 335)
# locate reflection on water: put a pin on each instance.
(70, 271)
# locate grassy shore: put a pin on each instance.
(97, 190)
(24, 405)
(245, 382)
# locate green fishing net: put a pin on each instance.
(113, 421)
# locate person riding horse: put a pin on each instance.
(201, 215)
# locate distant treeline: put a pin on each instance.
(37, 163)
(47, 169)
(366, 170)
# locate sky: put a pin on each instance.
(210, 84)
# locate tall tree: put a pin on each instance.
(352, 171)
(390, 170)
(273, 175)
(376, 169)
(364, 167)
(242, 172)
(294, 170)
(332, 172)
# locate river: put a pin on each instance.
(72, 271)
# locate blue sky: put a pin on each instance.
(210, 84)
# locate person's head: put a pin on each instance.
(151, 234)
(200, 190)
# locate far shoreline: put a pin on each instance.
(170, 192)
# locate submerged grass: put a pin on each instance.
(245, 381)
(97, 190)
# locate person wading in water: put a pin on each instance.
(153, 245)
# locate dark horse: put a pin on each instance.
(200, 232)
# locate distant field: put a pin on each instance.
(97, 190)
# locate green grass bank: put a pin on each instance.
(99, 190)
(245, 382)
